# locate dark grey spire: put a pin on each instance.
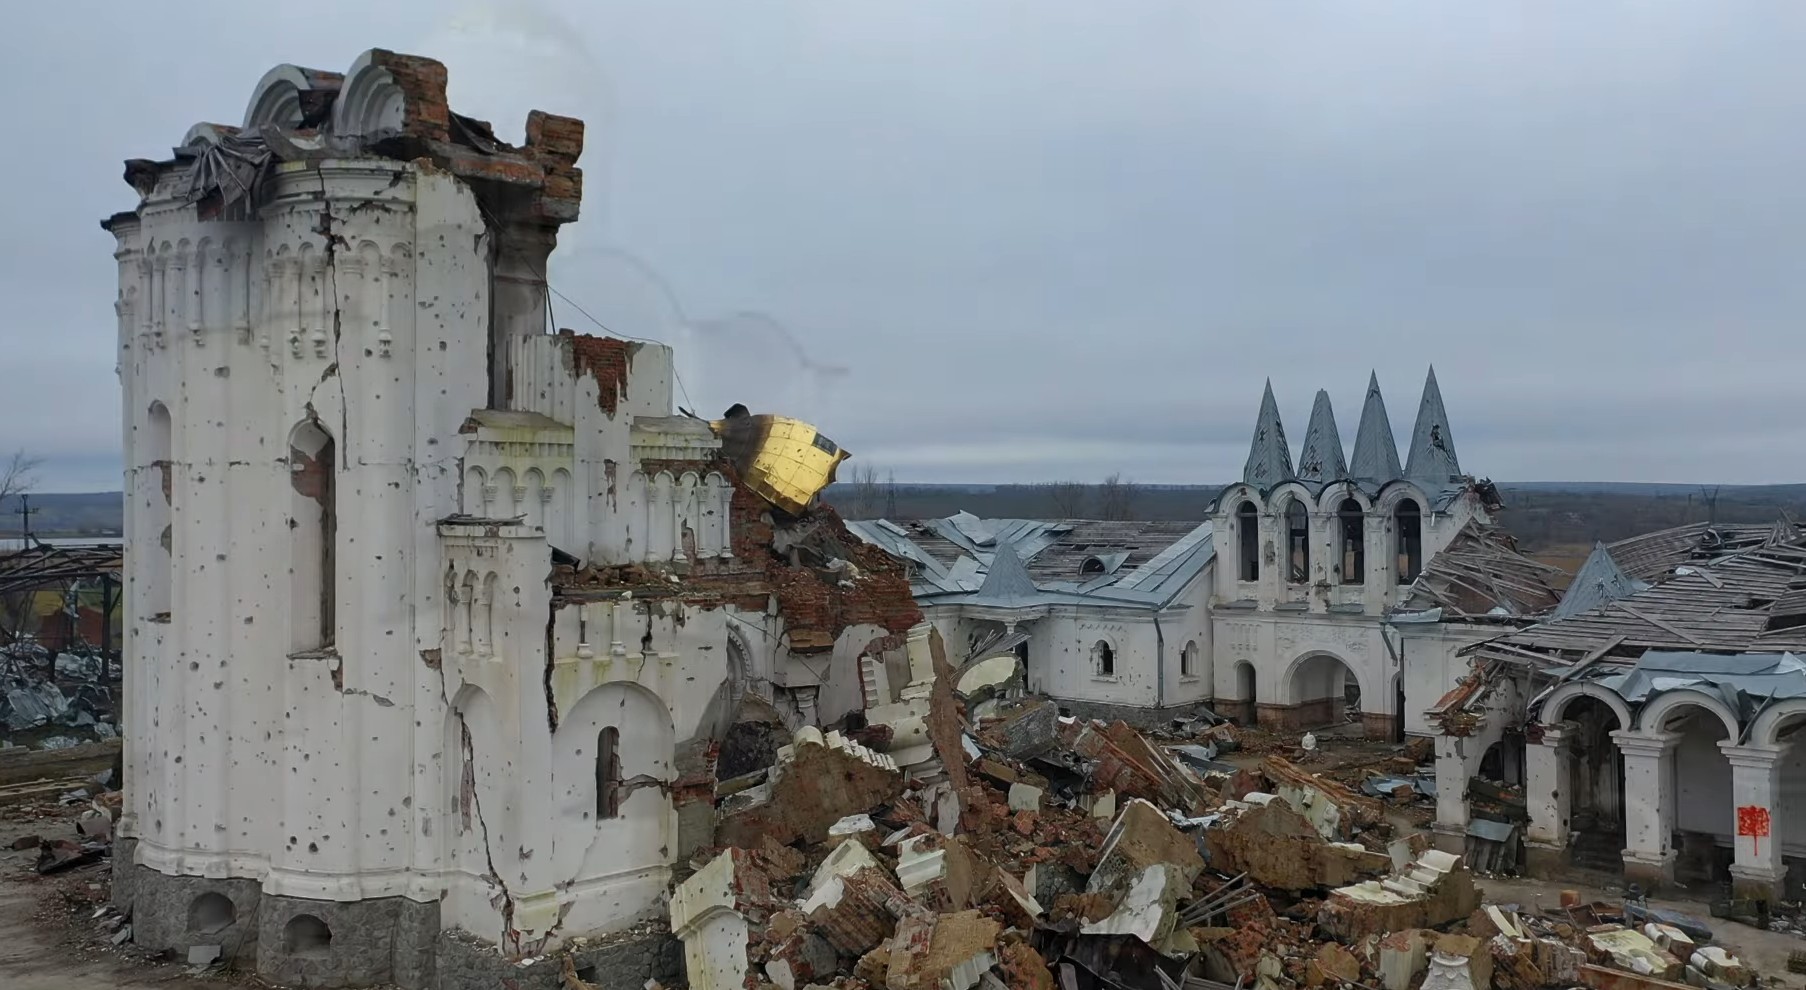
(1375, 449)
(1321, 459)
(1432, 462)
(1007, 579)
(1269, 459)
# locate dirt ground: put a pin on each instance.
(48, 938)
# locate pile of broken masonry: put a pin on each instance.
(1029, 850)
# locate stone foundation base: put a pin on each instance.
(1140, 718)
(1652, 874)
(285, 939)
(1302, 717)
(390, 940)
(607, 962)
(1377, 726)
(1756, 886)
(1544, 861)
(1240, 712)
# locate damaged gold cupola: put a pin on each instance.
(786, 461)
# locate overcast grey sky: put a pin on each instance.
(1024, 239)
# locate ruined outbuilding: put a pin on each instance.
(434, 620)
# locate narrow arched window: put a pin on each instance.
(1409, 526)
(155, 533)
(1298, 543)
(1247, 527)
(313, 526)
(608, 773)
(1104, 659)
(1352, 564)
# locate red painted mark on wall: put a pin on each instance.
(1752, 821)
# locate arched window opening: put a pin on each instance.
(313, 526)
(1247, 526)
(210, 914)
(1352, 565)
(1188, 660)
(1409, 525)
(608, 773)
(1298, 543)
(307, 937)
(1103, 658)
(157, 530)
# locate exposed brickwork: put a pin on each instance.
(605, 359)
(427, 115)
(558, 138)
(1298, 718)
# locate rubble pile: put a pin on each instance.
(56, 699)
(1043, 851)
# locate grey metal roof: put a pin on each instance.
(1432, 461)
(1744, 682)
(1375, 458)
(1599, 582)
(1017, 563)
(1269, 458)
(1321, 459)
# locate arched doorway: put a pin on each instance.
(1323, 692)
(1246, 698)
(1596, 780)
(1701, 817)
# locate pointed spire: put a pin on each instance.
(1432, 460)
(1599, 582)
(1321, 459)
(1007, 579)
(1269, 459)
(1375, 457)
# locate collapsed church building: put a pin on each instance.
(1274, 611)
(434, 620)
(1653, 714)
(456, 656)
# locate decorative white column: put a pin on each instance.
(1453, 768)
(1648, 834)
(1547, 787)
(1755, 792)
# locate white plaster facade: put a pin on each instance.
(350, 676)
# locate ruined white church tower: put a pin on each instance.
(1313, 552)
(430, 613)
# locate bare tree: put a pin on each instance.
(867, 494)
(1116, 498)
(1068, 497)
(20, 475)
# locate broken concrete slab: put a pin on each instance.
(948, 952)
(1436, 890)
(1459, 962)
(1142, 837)
(1149, 908)
(1403, 956)
(1025, 797)
(819, 780)
(1336, 811)
(1277, 847)
(714, 913)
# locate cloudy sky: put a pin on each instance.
(1015, 240)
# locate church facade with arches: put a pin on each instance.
(1314, 553)
(433, 619)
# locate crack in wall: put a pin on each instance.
(509, 935)
(332, 274)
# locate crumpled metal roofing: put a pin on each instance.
(963, 559)
(1744, 682)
